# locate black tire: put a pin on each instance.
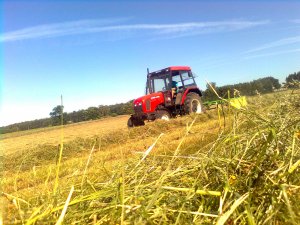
(135, 122)
(139, 123)
(193, 104)
(130, 123)
(163, 115)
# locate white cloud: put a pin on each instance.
(279, 43)
(54, 30)
(97, 26)
(272, 53)
(213, 26)
(295, 21)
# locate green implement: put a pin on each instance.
(235, 102)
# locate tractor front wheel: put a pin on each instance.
(130, 122)
(135, 122)
(193, 104)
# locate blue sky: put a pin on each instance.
(97, 52)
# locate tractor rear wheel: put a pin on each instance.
(163, 115)
(193, 104)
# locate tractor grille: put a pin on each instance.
(138, 109)
(148, 105)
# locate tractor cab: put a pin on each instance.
(179, 77)
(172, 81)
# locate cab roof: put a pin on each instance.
(168, 69)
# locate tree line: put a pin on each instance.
(291, 80)
(262, 85)
(90, 113)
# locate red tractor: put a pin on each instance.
(169, 92)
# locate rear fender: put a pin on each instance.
(188, 90)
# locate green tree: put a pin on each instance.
(291, 80)
(56, 114)
(209, 94)
(92, 113)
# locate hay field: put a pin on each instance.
(226, 166)
(18, 141)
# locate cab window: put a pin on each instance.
(159, 84)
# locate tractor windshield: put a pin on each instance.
(160, 83)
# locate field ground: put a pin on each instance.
(224, 166)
